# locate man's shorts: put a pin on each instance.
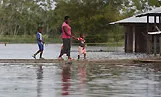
(81, 50)
(41, 46)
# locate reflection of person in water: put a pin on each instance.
(82, 74)
(39, 73)
(82, 78)
(65, 79)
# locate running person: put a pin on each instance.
(40, 43)
(81, 47)
(66, 37)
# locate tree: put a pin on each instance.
(90, 17)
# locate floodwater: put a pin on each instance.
(76, 79)
(79, 80)
(25, 51)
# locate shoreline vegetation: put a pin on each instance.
(9, 39)
(91, 17)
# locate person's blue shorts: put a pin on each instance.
(41, 46)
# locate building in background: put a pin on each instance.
(137, 27)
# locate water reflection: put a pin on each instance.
(82, 77)
(80, 80)
(156, 67)
(66, 76)
(39, 80)
(82, 73)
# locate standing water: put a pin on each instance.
(25, 51)
(79, 80)
(75, 79)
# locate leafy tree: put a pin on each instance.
(92, 17)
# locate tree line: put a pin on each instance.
(92, 17)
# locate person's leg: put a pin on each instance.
(85, 56)
(36, 54)
(64, 49)
(68, 48)
(41, 52)
(61, 52)
(78, 57)
(79, 52)
(61, 48)
(84, 52)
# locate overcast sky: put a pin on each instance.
(52, 1)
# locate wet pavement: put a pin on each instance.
(80, 80)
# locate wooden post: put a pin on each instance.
(148, 42)
(133, 38)
(155, 45)
(155, 39)
(125, 41)
(160, 44)
(160, 35)
(129, 40)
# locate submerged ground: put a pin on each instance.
(25, 51)
(80, 80)
(76, 79)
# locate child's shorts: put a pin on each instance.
(41, 46)
(81, 50)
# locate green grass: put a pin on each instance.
(110, 44)
(27, 39)
(56, 39)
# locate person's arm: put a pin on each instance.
(73, 35)
(42, 40)
(66, 32)
(39, 38)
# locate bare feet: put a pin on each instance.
(60, 58)
(69, 58)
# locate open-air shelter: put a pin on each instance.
(137, 28)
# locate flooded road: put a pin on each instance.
(25, 51)
(79, 80)
(76, 79)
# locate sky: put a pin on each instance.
(52, 3)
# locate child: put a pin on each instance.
(40, 43)
(81, 48)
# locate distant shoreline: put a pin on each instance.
(29, 39)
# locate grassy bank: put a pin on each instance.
(27, 39)
(56, 39)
